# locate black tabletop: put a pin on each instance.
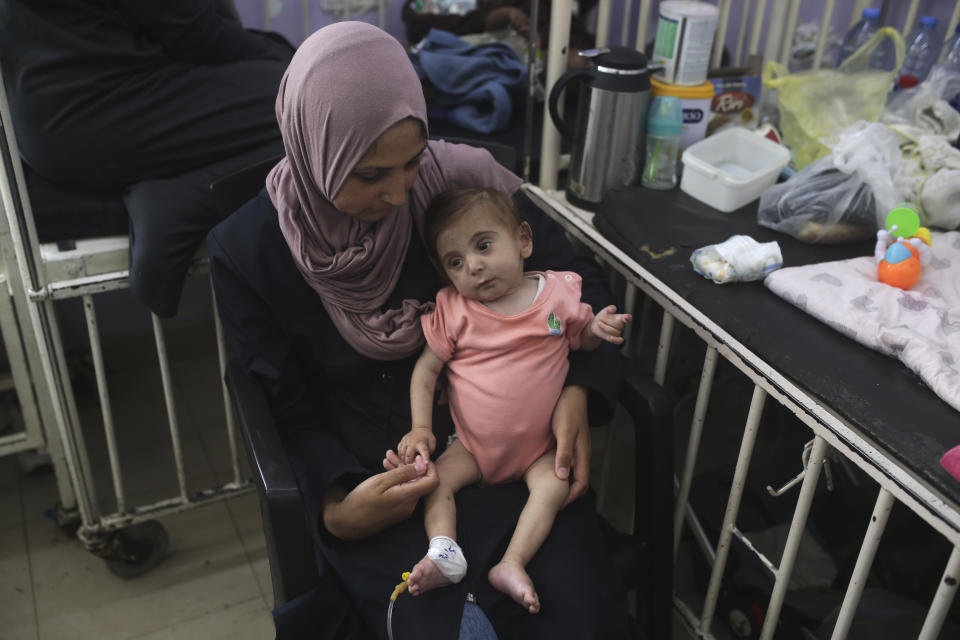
(876, 394)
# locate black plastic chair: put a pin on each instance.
(645, 557)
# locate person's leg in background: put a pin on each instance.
(210, 122)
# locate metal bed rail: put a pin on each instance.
(28, 435)
(37, 276)
(830, 434)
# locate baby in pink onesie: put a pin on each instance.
(503, 336)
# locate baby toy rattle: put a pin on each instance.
(900, 262)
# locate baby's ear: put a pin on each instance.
(526, 239)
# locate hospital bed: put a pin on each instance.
(861, 408)
(80, 253)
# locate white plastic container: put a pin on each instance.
(684, 41)
(731, 168)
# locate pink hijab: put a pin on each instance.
(347, 84)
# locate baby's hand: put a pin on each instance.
(419, 440)
(608, 324)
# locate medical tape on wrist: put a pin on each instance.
(448, 556)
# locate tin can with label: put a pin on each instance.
(695, 102)
(684, 41)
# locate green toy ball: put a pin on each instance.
(903, 221)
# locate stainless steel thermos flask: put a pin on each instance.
(608, 134)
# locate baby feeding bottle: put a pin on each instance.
(664, 128)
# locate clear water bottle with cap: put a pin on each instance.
(950, 57)
(664, 128)
(922, 52)
(859, 33)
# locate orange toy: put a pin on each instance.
(904, 273)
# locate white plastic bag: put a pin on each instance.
(843, 196)
(927, 106)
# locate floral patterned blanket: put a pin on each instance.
(921, 326)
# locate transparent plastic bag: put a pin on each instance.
(737, 259)
(842, 197)
(814, 104)
(929, 104)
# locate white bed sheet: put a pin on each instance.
(921, 327)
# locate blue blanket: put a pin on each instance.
(472, 86)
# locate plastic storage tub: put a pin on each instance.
(731, 168)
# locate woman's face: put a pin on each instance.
(382, 177)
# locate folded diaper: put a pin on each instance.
(738, 259)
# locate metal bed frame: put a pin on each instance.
(830, 433)
(37, 276)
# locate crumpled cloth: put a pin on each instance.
(471, 86)
(929, 172)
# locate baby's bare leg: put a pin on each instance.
(547, 493)
(456, 468)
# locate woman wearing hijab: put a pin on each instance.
(320, 283)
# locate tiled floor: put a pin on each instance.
(214, 581)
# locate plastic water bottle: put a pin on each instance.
(950, 58)
(859, 33)
(922, 52)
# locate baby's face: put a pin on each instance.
(483, 255)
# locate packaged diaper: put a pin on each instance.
(738, 259)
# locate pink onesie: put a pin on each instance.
(506, 372)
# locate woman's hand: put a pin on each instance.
(378, 502)
(572, 431)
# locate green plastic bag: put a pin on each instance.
(814, 104)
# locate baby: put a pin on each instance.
(503, 336)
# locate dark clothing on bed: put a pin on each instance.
(107, 94)
(340, 411)
(418, 25)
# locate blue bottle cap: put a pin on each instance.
(871, 13)
(666, 116)
(928, 21)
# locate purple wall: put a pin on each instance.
(288, 20)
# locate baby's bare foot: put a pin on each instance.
(512, 579)
(425, 576)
